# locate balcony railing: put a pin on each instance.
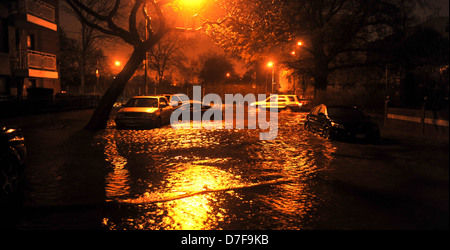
(30, 59)
(41, 10)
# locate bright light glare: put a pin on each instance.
(193, 4)
(117, 63)
(270, 64)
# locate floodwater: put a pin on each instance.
(213, 179)
(226, 179)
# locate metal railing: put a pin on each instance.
(41, 9)
(26, 59)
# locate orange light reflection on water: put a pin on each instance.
(200, 169)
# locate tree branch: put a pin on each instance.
(113, 29)
(149, 20)
(132, 20)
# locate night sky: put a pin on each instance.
(121, 53)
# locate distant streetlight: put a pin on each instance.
(272, 65)
(228, 75)
(117, 63)
(97, 75)
(299, 43)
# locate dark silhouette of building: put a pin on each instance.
(29, 47)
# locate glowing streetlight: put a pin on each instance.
(299, 43)
(117, 63)
(271, 65)
(192, 4)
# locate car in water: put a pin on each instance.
(12, 165)
(281, 102)
(342, 122)
(182, 102)
(144, 112)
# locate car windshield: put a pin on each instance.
(143, 103)
(183, 98)
(345, 112)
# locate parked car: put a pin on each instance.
(282, 102)
(12, 165)
(144, 112)
(342, 122)
(182, 101)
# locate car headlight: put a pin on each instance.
(337, 125)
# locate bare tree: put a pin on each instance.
(168, 54)
(88, 43)
(121, 19)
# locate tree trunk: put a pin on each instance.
(100, 117)
(321, 82)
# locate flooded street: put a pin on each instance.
(214, 179)
(168, 179)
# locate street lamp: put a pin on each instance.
(271, 65)
(192, 3)
(97, 74)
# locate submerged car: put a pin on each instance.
(282, 102)
(144, 112)
(180, 101)
(12, 165)
(342, 122)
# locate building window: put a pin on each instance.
(30, 42)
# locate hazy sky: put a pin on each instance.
(70, 25)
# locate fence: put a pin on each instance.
(418, 121)
(43, 104)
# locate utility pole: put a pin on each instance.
(145, 62)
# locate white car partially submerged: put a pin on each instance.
(282, 102)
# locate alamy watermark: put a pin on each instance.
(213, 118)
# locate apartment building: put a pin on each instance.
(29, 46)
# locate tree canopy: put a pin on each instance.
(333, 32)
